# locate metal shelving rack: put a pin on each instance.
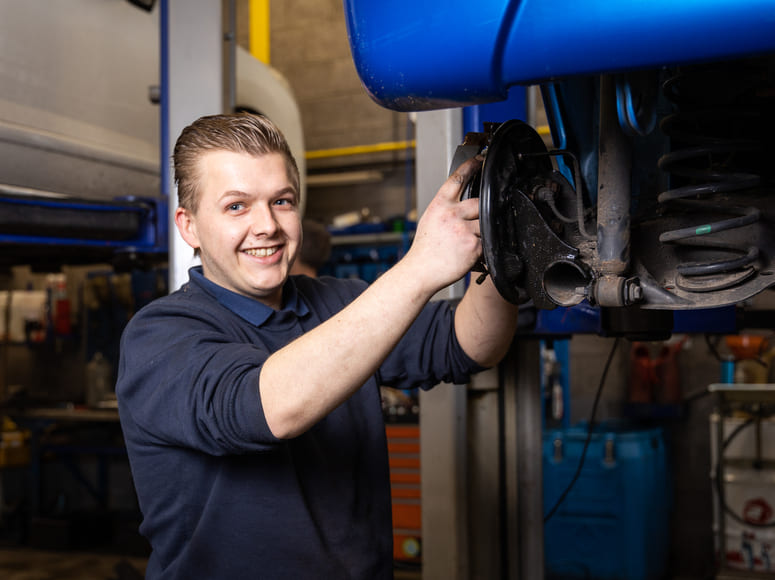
(729, 398)
(45, 228)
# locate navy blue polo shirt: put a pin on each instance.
(221, 497)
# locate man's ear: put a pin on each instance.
(187, 227)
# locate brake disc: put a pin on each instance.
(520, 251)
(516, 158)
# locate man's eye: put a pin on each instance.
(235, 206)
(284, 202)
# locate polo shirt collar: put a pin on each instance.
(250, 309)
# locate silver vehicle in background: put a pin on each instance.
(80, 129)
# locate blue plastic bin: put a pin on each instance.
(615, 522)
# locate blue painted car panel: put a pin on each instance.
(429, 55)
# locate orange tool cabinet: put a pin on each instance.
(404, 456)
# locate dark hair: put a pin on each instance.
(239, 133)
(315, 245)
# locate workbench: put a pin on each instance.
(76, 438)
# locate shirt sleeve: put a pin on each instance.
(429, 353)
(186, 379)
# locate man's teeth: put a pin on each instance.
(261, 252)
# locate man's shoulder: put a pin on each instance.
(327, 288)
(188, 293)
(188, 301)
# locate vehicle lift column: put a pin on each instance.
(192, 85)
(480, 444)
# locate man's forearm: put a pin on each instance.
(485, 323)
(303, 382)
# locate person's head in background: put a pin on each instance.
(315, 249)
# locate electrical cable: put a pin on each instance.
(713, 347)
(719, 474)
(590, 429)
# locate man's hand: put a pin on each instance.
(447, 242)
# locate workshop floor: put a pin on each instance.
(24, 564)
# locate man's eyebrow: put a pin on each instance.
(233, 193)
(238, 193)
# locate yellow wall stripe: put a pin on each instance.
(542, 130)
(360, 149)
(259, 29)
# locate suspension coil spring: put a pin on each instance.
(709, 133)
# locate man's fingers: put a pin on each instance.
(457, 181)
(469, 209)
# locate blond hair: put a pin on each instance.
(238, 133)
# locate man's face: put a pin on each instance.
(247, 226)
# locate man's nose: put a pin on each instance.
(263, 220)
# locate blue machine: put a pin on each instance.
(413, 56)
(655, 196)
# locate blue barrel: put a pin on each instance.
(615, 522)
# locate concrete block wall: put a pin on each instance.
(309, 46)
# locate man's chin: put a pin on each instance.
(268, 290)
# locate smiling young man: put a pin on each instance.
(250, 228)
(249, 398)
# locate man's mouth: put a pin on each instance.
(261, 252)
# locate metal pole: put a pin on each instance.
(523, 462)
(718, 476)
(613, 189)
(230, 55)
(192, 86)
(443, 428)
